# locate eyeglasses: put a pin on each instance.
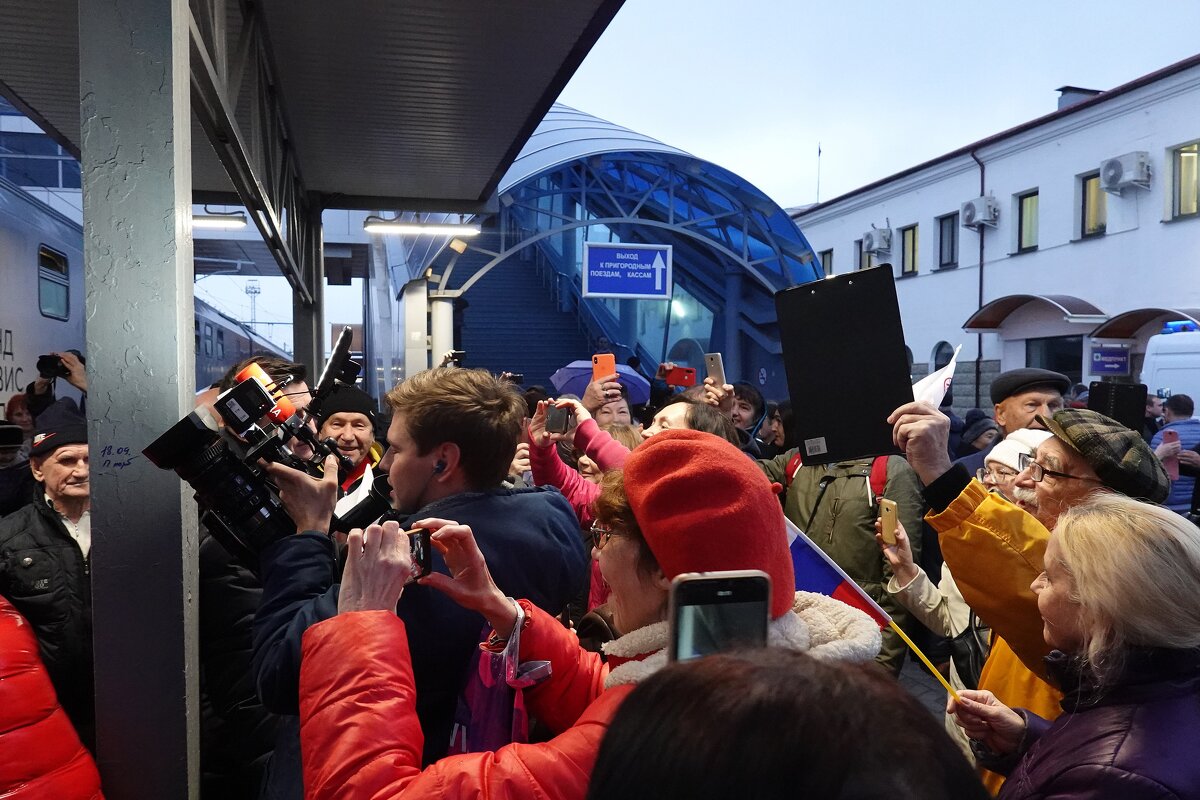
(994, 475)
(1037, 471)
(600, 534)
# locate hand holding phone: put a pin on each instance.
(1171, 462)
(887, 520)
(715, 611)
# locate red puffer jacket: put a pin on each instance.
(360, 736)
(40, 754)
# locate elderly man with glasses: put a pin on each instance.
(995, 547)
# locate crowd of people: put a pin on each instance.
(1047, 555)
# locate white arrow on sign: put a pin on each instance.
(659, 266)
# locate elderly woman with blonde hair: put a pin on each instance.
(1120, 604)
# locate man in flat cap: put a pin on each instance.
(995, 547)
(44, 549)
(1019, 395)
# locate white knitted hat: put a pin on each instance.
(1008, 452)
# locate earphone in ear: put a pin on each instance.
(439, 467)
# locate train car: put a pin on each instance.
(222, 341)
(41, 304)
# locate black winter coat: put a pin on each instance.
(45, 575)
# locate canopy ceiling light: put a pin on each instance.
(227, 220)
(375, 224)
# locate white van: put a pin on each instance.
(1172, 364)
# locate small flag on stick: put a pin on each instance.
(817, 572)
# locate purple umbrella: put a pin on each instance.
(574, 378)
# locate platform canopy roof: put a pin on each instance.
(416, 104)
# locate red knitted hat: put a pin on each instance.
(704, 507)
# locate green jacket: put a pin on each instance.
(844, 524)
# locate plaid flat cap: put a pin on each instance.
(1120, 456)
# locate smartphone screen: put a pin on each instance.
(557, 419)
(422, 555)
(711, 612)
(715, 366)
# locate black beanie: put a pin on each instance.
(51, 437)
(347, 399)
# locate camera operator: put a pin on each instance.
(237, 734)
(70, 365)
(451, 441)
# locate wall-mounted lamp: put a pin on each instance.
(228, 220)
(373, 224)
(458, 246)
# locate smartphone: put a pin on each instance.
(422, 552)
(1171, 463)
(887, 520)
(680, 376)
(715, 611)
(557, 419)
(715, 366)
(603, 365)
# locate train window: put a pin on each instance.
(197, 324)
(54, 297)
(208, 339)
(220, 344)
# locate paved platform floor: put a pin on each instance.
(924, 687)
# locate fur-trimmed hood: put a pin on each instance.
(825, 628)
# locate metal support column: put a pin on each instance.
(441, 321)
(137, 244)
(732, 355)
(308, 320)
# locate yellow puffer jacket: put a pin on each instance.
(995, 550)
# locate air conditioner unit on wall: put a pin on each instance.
(878, 240)
(980, 211)
(1131, 169)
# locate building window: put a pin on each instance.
(1187, 179)
(1058, 353)
(864, 259)
(36, 160)
(1094, 209)
(908, 250)
(948, 241)
(1027, 222)
(826, 257)
(54, 283)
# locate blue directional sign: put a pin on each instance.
(1110, 360)
(628, 271)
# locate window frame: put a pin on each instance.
(1021, 220)
(864, 260)
(826, 263)
(952, 221)
(58, 277)
(1084, 181)
(909, 256)
(1177, 183)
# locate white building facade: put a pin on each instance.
(1072, 236)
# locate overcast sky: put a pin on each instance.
(754, 85)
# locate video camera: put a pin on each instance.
(224, 465)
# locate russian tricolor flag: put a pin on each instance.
(816, 572)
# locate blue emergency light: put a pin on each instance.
(1179, 326)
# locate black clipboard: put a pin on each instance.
(843, 353)
(1124, 402)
